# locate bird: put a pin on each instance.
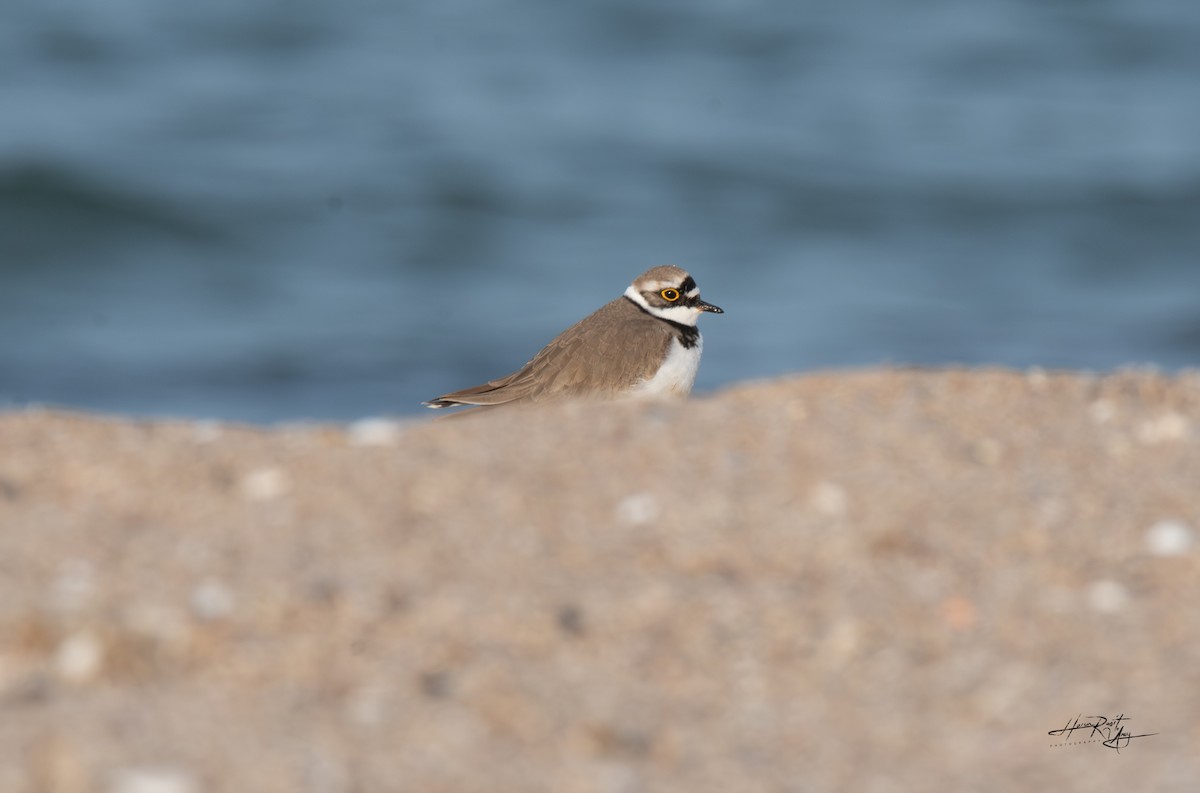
(644, 343)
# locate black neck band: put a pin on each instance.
(689, 335)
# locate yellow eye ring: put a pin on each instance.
(670, 295)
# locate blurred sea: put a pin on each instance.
(269, 210)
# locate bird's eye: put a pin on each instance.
(670, 295)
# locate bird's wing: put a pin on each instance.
(578, 362)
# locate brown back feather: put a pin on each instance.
(579, 362)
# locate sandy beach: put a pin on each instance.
(874, 580)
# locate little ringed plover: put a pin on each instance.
(644, 343)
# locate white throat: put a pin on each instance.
(684, 315)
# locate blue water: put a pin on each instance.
(272, 211)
